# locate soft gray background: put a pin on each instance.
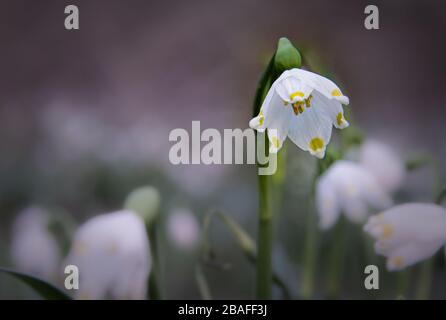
(85, 115)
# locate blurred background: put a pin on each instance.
(85, 115)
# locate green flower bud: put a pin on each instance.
(144, 201)
(286, 57)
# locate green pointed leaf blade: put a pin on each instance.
(45, 289)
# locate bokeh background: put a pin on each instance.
(85, 115)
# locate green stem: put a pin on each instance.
(310, 255)
(277, 185)
(403, 281)
(425, 276)
(425, 280)
(336, 262)
(265, 237)
(155, 276)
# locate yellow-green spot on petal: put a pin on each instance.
(387, 231)
(261, 118)
(336, 93)
(397, 262)
(316, 144)
(340, 119)
(275, 142)
(285, 103)
(81, 248)
(112, 249)
(297, 94)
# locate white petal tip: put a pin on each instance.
(343, 125)
(254, 123)
(343, 99)
(320, 154)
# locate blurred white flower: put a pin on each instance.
(408, 233)
(33, 248)
(349, 188)
(384, 163)
(183, 229)
(113, 256)
(303, 106)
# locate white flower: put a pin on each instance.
(408, 233)
(384, 163)
(183, 229)
(113, 256)
(33, 248)
(349, 188)
(303, 106)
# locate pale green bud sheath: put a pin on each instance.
(144, 201)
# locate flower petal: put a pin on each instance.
(277, 120)
(258, 123)
(291, 89)
(408, 233)
(311, 131)
(332, 108)
(325, 86)
(409, 222)
(373, 154)
(410, 254)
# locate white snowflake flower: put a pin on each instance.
(33, 248)
(408, 233)
(303, 106)
(113, 256)
(384, 163)
(349, 188)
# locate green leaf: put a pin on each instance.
(202, 284)
(45, 289)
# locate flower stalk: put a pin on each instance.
(265, 235)
(286, 57)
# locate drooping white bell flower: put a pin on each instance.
(408, 233)
(349, 188)
(384, 163)
(183, 229)
(34, 249)
(112, 254)
(303, 106)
